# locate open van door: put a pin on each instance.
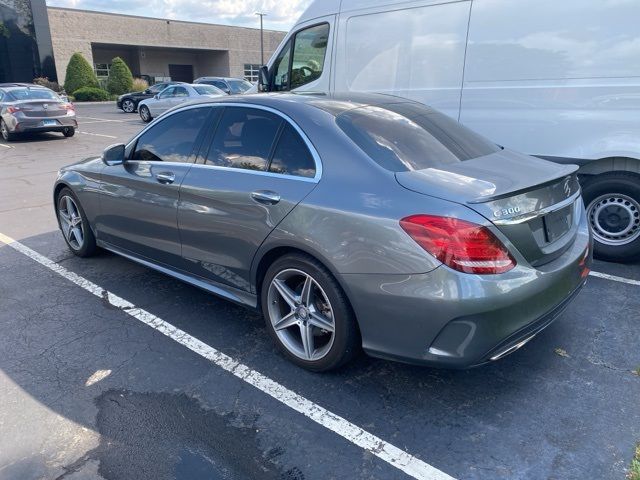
(416, 52)
(304, 61)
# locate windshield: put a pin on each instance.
(208, 90)
(239, 86)
(409, 136)
(32, 94)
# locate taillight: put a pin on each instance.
(13, 109)
(461, 245)
(69, 107)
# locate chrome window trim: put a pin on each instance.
(285, 117)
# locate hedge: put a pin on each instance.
(79, 74)
(91, 94)
(120, 78)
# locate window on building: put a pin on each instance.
(251, 72)
(102, 70)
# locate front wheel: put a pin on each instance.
(128, 106)
(74, 224)
(308, 315)
(145, 114)
(613, 211)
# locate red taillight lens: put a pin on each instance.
(69, 107)
(461, 245)
(13, 109)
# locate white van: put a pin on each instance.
(556, 79)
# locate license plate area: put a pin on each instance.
(49, 123)
(558, 223)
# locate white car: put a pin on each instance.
(175, 95)
(556, 79)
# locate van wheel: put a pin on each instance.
(308, 315)
(613, 211)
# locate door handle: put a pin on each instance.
(166, 177)
(266, 197)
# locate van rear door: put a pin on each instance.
(416, 52)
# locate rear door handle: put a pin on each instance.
(266, 197)
(166, 177)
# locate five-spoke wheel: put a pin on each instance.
(74, 224)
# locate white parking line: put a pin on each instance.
(100, 119)
(5, 146)
(391, 454)
(98, 135)
(615, 278)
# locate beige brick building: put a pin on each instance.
(158, 48)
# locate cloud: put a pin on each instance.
(281, 14)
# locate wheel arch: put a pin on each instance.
(610, 165)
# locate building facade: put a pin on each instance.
(25, 43)
(159, 49)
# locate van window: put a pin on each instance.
(307, 64)
(410, 136)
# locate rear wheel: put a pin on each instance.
(4, 130)
(74, 224)
(613, 211)
(145, 114)
(128, 106)
(69, 132)
(308, 315)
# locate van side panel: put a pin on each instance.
(555, 78)
(415, 52)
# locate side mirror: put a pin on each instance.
(147, 91)
(264, 82)
(114, 154)
(227, 91)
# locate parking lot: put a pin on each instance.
(111, 370)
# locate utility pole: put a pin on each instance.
(261, 15)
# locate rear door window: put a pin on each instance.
(410, 136)
(244, 139)
(292, 156)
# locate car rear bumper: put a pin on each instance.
(25, 124)
(448, 319)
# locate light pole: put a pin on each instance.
(261, 15)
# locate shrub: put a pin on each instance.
(45, 82)
(120, 78)
(91, 94)
(79, 74)
(139, 85)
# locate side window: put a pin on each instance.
(221, 85)
(157, 88)
(292, 156)
(281, 69)
(180, 92)
(244, 139)
(310, 48)
(168, 92)
(172, 139)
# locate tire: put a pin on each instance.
(88, 246)
(128, 106)
(6, 134)
(613, 212)
(69, 132)
(145, 114)
(327, 301)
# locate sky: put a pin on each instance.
(281, 14)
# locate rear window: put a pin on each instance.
(207, 90)
(239, 86)
(409, 136)
(32, 94)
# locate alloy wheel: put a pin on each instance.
(128, 106)
(71, 222)
(145, 114)
(301, 314)
(4, 131)
(614, 219)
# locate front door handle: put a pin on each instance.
(266, 197)
(166, 177)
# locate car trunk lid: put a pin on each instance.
(534, 203)
(42, 108)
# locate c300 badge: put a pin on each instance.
(507, 212)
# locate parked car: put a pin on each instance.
(350, 221)
(172, 96)
(128, 102)
(32, 108)
(554, 79)
(230, 86)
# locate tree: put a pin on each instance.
(120, 78)
(79, 74)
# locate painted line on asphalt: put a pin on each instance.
(5, 146)
(100, 119)
(391, 454)
(615, 278)
(98, 135)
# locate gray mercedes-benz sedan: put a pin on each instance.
(350, 220)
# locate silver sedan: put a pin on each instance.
(350, 221)
(173, 96)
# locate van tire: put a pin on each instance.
(619, 193)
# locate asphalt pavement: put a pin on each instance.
(88, 390)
